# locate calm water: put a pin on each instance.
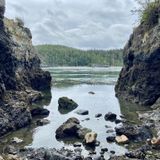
(75, 83)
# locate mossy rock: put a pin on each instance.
(66, 105)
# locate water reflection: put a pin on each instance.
(130, 110)
(103, 101)
(27, 133)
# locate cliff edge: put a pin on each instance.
(21, 78)
(139, 80)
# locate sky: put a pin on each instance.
(86, 24)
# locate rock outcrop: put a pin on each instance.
(21, 78)
(139, 80)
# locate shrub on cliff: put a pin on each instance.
(149, 12)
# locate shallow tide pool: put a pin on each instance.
(103, 101)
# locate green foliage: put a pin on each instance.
(57, 55)
(149, 12)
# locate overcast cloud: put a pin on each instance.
(99, 24)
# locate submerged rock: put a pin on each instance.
(98, 115)
(91, 92)
(66, 105)
(82, 112)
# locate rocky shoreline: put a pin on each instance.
(22, 83)
(21, 78)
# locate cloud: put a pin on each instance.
(83, 24)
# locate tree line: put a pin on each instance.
(58, 55)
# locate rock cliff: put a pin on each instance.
(139, 80)
(21, 78)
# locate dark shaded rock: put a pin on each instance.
(66, 105)
(91, 92)
(71, 128)
(98, 115)
(117, 121)
(137, 133)
(40, 81)
(68, 128)
(104, 149)
(82, 112)
(136, 154)
(139, 79)
(111, 139)
(40, 112)
(49, 154)
(12, 118)
(110, 116)
(112, 152)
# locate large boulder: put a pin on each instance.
(139, 79)
(68, 128)
(71, 128)
(66, 105)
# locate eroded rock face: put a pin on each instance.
(20, 74)
(139, 80)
